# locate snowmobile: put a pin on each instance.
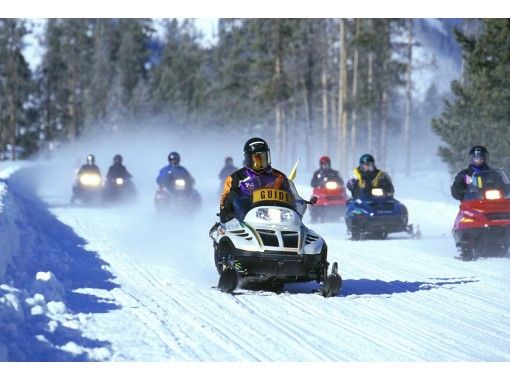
(482, 226)
(331, 200)
(118, 190)
(87, 188)
(178, 195)
(266, 243)
(375, 215)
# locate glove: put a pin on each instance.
(352, 183)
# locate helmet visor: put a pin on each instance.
(367, 166)
(258, 161)
(479, 158)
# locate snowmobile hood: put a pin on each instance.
(486, 206)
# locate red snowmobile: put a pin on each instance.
(482, 226)
(331, 199)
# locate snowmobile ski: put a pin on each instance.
(229, 278)
(333, 283)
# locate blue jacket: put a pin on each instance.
(168, 173)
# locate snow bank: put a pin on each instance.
(7, 232)
(42, 262)
(8, 168)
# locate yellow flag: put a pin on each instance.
(293, 171)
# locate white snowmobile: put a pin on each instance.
(267, 243)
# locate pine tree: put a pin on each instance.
(132, 55)
(102, 71)
(479, 113)
(16, 85)
(179, 82)
(66, 74)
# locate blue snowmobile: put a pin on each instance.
(375, 215)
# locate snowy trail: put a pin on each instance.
(402, 299)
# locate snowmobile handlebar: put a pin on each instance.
(312, 201)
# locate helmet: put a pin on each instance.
(117, 159)
(174, 158)
(91, 160)
(325, 162)
(366, 158)
(229, 161)
(479, 155)
(257, 155)
(367, 162)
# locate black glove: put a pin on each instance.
(352, 183)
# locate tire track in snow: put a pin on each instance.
(366, 327)
(155, 307)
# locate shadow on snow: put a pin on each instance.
(46, 244)
(368, 287)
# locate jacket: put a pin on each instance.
(364, 182)
(244, 181)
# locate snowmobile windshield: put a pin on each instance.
(488, 184)
(269, 197)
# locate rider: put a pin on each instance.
(325, 173)
(257, 173)
(90, 166)
(367, 177)
(117, 170)
(479, 157)
(228, 169)
(174, 170)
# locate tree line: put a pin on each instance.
(320, 86)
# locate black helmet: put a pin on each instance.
(257, 155)
(366, 158)
(117, 159)
(479, 155)
(91, 160)
(174, 158)
(367, 163)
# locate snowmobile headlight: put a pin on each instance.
(493, 194)
(119, 181)
(180, 184)
(274, 215)
(377, 192)
(262, 214)
(330, 185)
(286, 215)
(269, 214)
(89, 179)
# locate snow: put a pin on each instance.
(119, 284)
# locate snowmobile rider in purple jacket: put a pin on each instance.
(368, 177)
(174, 171)
(479, 157)
(256, 174)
